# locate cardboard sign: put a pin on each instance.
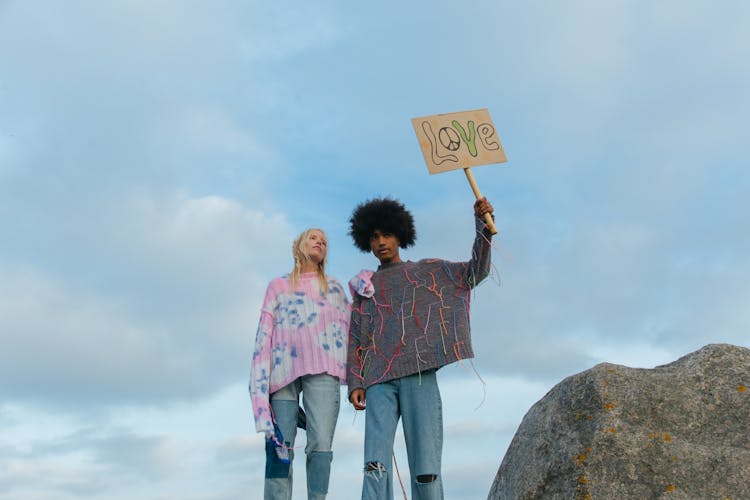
(458, 140)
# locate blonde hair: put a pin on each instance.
(300, 256)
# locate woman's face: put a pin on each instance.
(316, 246)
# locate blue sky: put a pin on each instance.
(158, 157)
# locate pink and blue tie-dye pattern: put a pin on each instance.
(361, 284)
(301, 332)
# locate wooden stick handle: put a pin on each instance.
(487, 217)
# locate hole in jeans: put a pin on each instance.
(375, 470)
(426, 478)
(375, 467)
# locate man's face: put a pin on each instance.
(384, 246)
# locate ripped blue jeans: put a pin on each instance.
(416, 401)
(321, 401)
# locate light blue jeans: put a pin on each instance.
(321, 401)
(416, 400)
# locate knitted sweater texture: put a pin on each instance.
(301, 332)
(408, 317)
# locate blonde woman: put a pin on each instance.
(300, 349)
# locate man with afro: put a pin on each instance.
(408, 320)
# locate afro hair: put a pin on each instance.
(386, 215)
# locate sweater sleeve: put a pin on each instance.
(260, 371)
(354, 363)
(478, 267)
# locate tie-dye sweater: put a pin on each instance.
(408, 317)
(301, 332)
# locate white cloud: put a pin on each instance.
(213, 129)
(89, 463)
(173, 314)
(84, 343)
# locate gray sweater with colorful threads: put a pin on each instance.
(408, 317)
